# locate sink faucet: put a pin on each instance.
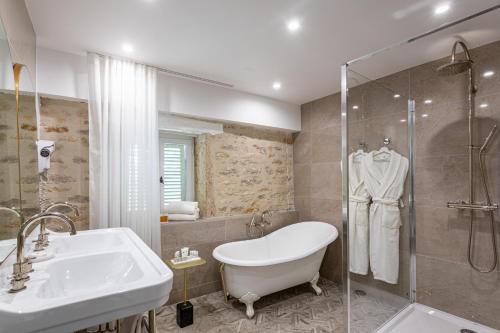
(43, 239)
(15, 212)
(23, 266)
(18, 214)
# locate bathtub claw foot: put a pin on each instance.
(314, 284)
(248, 299)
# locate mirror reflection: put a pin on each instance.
(18, 134)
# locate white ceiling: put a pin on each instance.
(244, 42)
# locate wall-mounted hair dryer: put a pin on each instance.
(45, 149)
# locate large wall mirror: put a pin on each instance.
(18, 157)
(226, 169)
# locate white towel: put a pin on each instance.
(184, 217)
(182, 207)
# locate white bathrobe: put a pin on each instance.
(359, 198)
(384, 180)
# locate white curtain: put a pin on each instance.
(124, 166)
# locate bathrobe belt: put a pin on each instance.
(359, 199)
(389, 202)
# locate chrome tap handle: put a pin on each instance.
(22, 266)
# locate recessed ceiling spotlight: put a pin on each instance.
(402, 120)
(277, 85)
(488, 74)
(428, 101)
(483, 105)
(397, 95)
(441, 9)
(425, 115)
(127, 47)
(293, 25)
(355, 107)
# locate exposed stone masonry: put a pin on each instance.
(244, 170)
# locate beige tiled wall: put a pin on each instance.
(317, 182)
(444, 277)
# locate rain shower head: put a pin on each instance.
(456, 66)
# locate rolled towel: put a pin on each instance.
(182, 207)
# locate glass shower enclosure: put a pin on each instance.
(419, 227)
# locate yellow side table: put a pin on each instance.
(185, 309)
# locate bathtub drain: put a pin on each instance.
(465, 330)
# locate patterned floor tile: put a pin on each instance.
(295, 310)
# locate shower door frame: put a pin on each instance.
(411, 171)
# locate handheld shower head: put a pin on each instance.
(488, 139)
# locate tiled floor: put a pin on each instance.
(293, 310)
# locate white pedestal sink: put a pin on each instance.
(93, 277)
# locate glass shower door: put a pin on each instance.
(377, 188)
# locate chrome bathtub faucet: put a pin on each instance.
(259, 221)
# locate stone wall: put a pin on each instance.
(9, 171)
(9, 174)
(244, 170)
(66, 123)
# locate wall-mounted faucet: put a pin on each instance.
(259, 221)
(43, 239)
(23, 266)
(266, 217)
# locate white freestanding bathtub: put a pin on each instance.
(285, 258)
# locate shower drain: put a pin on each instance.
(465, 330)
(360, 292)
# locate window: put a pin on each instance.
(176, 168)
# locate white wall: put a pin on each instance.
(7, 72)
(64, 74)
(172, 123)
(20, 34)
(195, 99)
